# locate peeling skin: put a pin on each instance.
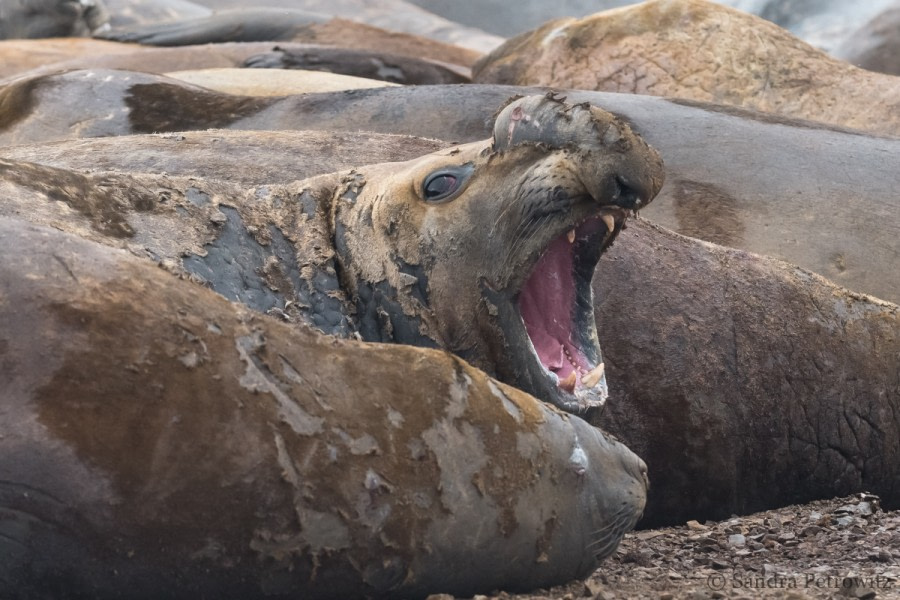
(697, 50)
(198, 482)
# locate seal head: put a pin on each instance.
(493, 253)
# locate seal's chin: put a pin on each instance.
(555, 304)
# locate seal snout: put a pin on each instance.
(631, 172)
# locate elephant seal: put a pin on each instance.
(272, 82)
(271, 24)
(407, 266)
(159, 441)
(726, 193)
(43, 57)
(393, 15)
(18, 56)
(303, 27)
(697, 50)
(51, 18)
(822, 23)
(243, 157)
(744, 382)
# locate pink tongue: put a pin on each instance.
(546, 303)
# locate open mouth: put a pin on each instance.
(555, 304)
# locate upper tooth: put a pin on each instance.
(571, 236)
(593, 378)
(610, 222)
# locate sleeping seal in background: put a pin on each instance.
(697, 50)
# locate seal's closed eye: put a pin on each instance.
(444, 183)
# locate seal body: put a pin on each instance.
(248, 158)
(655, 48)
(745, 383)
(393, 15)
(273, 24)
(160, 441)
(52, 56)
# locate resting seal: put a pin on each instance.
(158, 441)
(697, 50)
(269, 24)
(393, 15)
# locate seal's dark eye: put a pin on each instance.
(444, 183)
(439, 186)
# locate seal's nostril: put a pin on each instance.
(626, 196)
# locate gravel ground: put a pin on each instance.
(840, 548)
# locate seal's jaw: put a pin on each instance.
(555, 308)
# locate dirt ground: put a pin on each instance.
(836, 549)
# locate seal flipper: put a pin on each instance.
(238, 25)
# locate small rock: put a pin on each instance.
(737, 539)
(696, 525)
(592, 589)
(441, 597)
(811, 531)
(843, 521)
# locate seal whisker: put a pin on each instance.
(521, 230)
(615, 520)
(527, 229)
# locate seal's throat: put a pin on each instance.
(556, 306)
